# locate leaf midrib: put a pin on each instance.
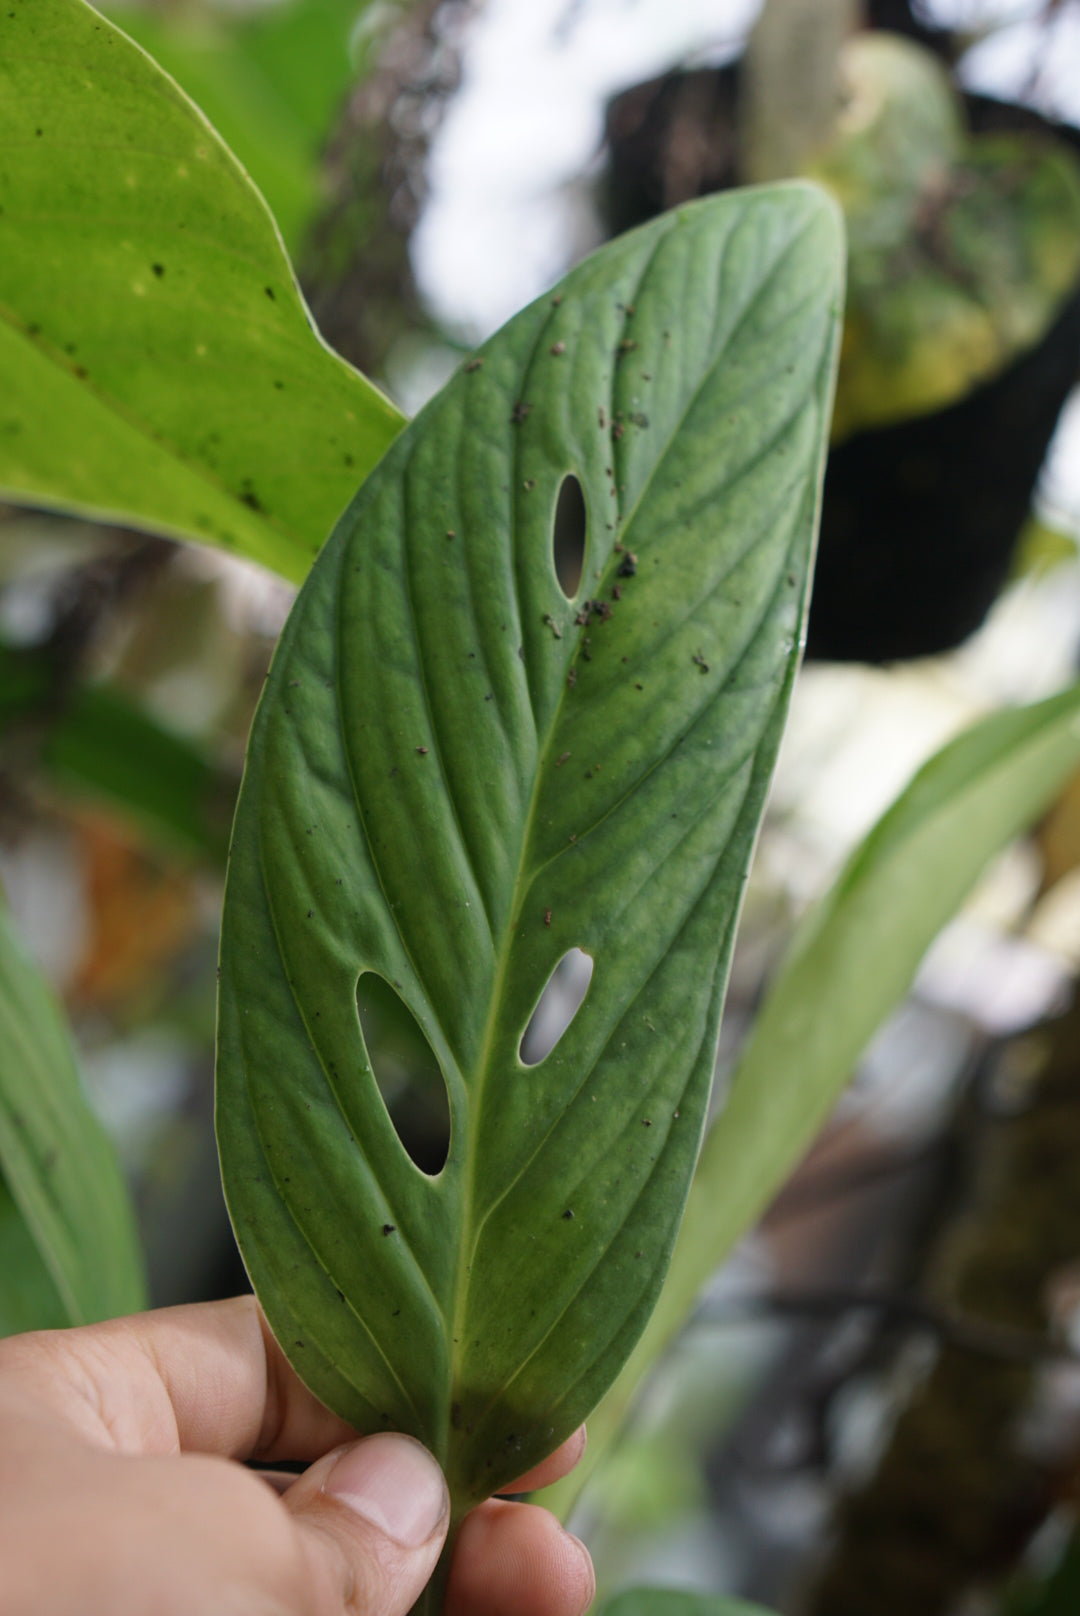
(468, 1233)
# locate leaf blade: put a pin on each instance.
(406, 810)
(60, 1170)
(160, 366)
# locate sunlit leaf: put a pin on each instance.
(61, 1173)
(458, 775)
(158, 365)
(271, 81)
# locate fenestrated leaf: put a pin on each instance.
(457, 775)
(61, 1173)
(849, 965)
(157, 363)
(677, 1602)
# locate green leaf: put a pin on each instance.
(457, 775)
(849, 965)
(59, 1167)
(677, 1602)
(271, 83)
(29, 1299)
(159, 365)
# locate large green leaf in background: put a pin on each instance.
(456, 775)
(677, 1602)
(849, 965)
(157, 364)
(65, 1201)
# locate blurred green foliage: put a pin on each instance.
(271, 81)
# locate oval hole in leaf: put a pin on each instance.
(568, 536)
(559, 1003)
(407, 1071)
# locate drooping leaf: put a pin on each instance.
(849, 965)
(677, 1602)
(158, 365)
(457, 775)
(61, 1174)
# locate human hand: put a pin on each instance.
(119, 1495)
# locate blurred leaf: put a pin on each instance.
(271, 83)
(109, 747)
(95, 740)
(1041, 546)
(29, 1299)
(59, 1167)
(457, 774)
(849, 965)
(677, 1602)
(159, 365)
(1056, 1594)
(962, 250)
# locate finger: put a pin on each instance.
(379, 1509)
(556, 1465)
(208, 1378)
(516, 1557)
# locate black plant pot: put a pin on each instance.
(921, 519)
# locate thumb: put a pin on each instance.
(374, 1516)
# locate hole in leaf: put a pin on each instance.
(409, 1076)
(568, 536)
(559, 1003)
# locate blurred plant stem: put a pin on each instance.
(790, 86)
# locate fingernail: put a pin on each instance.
(394, 1483)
